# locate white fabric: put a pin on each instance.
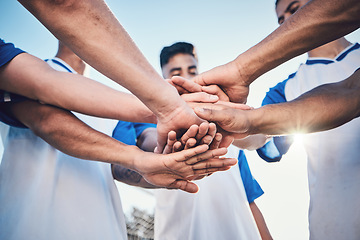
(45, 194)
(333, 158)
(219, 210)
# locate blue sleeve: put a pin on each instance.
(140, 127)
(5, 116)
(252, 187)
(125, 132)
(273, 150)
(7, 52)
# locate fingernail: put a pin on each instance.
(214, 97)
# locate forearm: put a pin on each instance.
(323, 108)
(109, 48)
(31, 77)
(318, 22)
(129, 177)
(260, 222)
(62, 130)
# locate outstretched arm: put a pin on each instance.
(325, 107)
(31, 77)
(62, 130)
(316, 23)
(90, 29)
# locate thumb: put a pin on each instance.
(184, 185)
(208, 114)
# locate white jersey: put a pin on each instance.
(45, 194)
(219, 210)
(333, 156)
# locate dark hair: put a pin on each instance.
(276, 3)
(179, 47)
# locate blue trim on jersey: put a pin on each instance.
(343, 55)
(328, 61)
(317, 61)
(252, 187)
(60, 64)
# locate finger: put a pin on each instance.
(180, 89)
(208, 114)
(206, 155)
(191, 153)
(178, 147)
(190, 133)
(239, 106)
(216, 90)
(210, 134)
(189, 85)
(226, 141)
(170, 142)
(200, 97)
(209, 171)
(184, 185)
(203, 130)
(216, 141)
(214, 163)
(190, 143)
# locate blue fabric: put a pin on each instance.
(273, 150)
(7, 52)
(128, 132)
(252, 187)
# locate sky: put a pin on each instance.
(220, 31)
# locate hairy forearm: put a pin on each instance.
(70, 91)
(318, 22)
(323, 108)
(129, 177)
(109, 48)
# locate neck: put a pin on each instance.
(330, 50)
(73, 60)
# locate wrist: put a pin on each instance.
(133, 157)
(246, 65)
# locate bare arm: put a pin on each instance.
(260, 222)
(90, 29)
(325, 107)
(62, 130)
(316, 23)
(31, 77)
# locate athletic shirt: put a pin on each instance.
(333, 156)
(220, 210)
(46, 194)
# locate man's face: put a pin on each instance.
(183, 65)
(286, 8)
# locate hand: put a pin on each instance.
(185, 86)
(231, 117)
(175, 170)
(195, 135)
(175, 146)
(229, 79)
(180, 120)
